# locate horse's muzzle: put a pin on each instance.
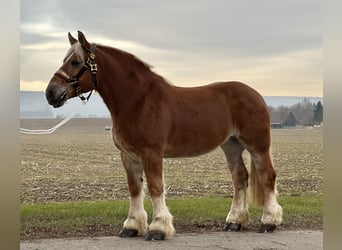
(55, 96)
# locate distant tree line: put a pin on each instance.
(303, 113)
(43, 113)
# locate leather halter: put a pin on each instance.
(73, 80)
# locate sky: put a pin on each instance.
(273, 46)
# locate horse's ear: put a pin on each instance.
(72, 40)
(83, 40)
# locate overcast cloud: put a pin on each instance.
(274, 46)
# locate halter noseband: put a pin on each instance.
(73, 80)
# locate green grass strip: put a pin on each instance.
(77, 215)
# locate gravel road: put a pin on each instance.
(222, 240)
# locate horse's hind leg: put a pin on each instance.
(136, 223)
(265, 176)
(238, 214)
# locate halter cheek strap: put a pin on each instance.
(92, 65)
(73, 80)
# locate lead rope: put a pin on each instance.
(51, 130)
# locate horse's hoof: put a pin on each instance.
(155, 235)
(266, 228)
(231, 226)
(127, 233)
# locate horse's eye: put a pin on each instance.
(75, 63)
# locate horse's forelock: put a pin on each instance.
(77, 49)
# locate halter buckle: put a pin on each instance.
(91, 64)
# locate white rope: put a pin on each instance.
(51, 130)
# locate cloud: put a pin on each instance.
(188, 42)
(33, 85)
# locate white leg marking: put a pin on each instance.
(137, 216)
(273, 213)
(239, 209)
(162, 218)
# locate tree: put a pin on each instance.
(290, 120)
(303, 111)
(318, 113)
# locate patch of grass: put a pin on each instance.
(296, 210)
(302, 205)
(57, 219)
(73, 214)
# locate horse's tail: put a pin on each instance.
(256, 192)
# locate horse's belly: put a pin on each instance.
(192, 144)
(200, 121)
(185, 152)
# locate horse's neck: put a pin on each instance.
(122, 80)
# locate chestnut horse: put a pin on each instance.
(153, 119)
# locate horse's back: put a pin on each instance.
(233, 100)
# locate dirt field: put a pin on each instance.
(80, 162)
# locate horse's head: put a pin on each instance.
(77, 74)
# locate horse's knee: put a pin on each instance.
(155, 187)
(134, 172)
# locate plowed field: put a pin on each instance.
(80, 162)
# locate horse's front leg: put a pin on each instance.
(136, 223)
(161, 226)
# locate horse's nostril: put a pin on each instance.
(55, 95)
(49, 95)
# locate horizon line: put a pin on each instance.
(37, 91)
